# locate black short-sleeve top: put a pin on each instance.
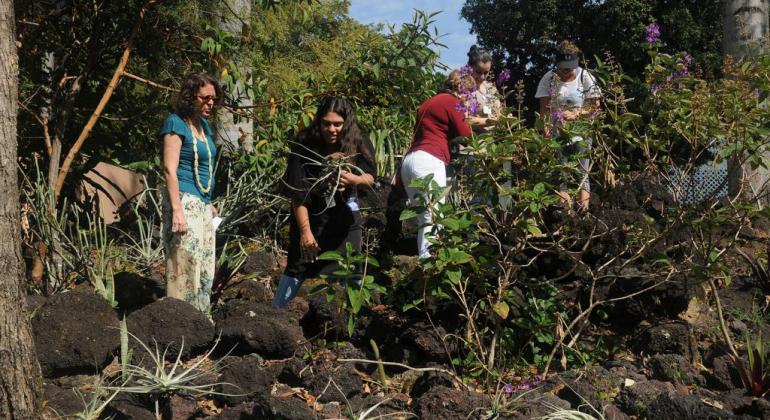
(305, 181)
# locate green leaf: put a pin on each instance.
(534, 230)
(330, 256)
(501, 309)
(407, 214)
(454, 276)
(355, 299)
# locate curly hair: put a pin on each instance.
(457, 82)
(351, 137)
(185, 105)
(568, 47)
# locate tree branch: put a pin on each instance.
(119, 72)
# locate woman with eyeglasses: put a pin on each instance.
(189, 153)
(487, 106)
(331, 164)
(569, 93)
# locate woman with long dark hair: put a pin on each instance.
(331, 164)
(189, 153)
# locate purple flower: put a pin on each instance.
(466, 71)
(557, 116)
(508, 389)
(652, 33)
(503, 77)
(655, 88)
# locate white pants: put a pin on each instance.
(419, 164)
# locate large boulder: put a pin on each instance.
(667, 338)
(635, 399)
(75, 332)
(282, 408)
(132, 291)
(172, 324)
(251, 327)
(687, 407)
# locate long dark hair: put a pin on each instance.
(351, 137)
(185, 101)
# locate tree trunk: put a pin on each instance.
(20, 381)
(745, 28)
(233, 130)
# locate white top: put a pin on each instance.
(569, 95)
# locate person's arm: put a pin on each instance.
(172, 145)
(545, 113)
(308, 246)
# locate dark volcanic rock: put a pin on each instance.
(277, 408)
(248, 289)
(75, 332)
(61, 402)
(637, 398)
(243, 375)
(261, 264)
(668, 338)
(724, 375)
(685, 407)
(450, 404)
(387, 408)
(130, 407)
(333, 383)
(323, 318)
(251, 327)
(133, 291)
(675, 368)
(533, 405)
(427, 381)
(171, 323)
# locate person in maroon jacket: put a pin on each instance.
(439, 120)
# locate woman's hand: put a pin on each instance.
(348, 178)
(178, 222)
(571, 115)
(308, 247)
(214, 211)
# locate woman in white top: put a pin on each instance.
(568, 94)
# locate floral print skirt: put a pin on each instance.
(190, 257)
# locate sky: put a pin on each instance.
(454, 29)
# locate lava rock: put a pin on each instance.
(261, 264)
(387, 408)
(724, 376)
(248, 289)
(669, 338)
(675, 368)
(449, 404)
(637, 398)
(333, 383)
(427, 381)
(61, 402)
(243, 375)
(172, 324)
(75, 332)
(428, 341)
(130, 407)
(133, 291)
(531, 405)
(277, 408)
(243, 411)
(323, 318)
(685, 407)
(250, 327)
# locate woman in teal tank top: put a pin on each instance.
(188, 161)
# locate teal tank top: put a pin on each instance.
(206, 157)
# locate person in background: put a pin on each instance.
(484, 107)
(440, 119)
(324, 217)
(569, 93)
(189, 153)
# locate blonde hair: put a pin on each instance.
(568, 47)
(455, 80)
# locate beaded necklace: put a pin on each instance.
(195, 161)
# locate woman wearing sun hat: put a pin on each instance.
(569, 93)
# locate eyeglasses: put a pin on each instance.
(207, 98)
